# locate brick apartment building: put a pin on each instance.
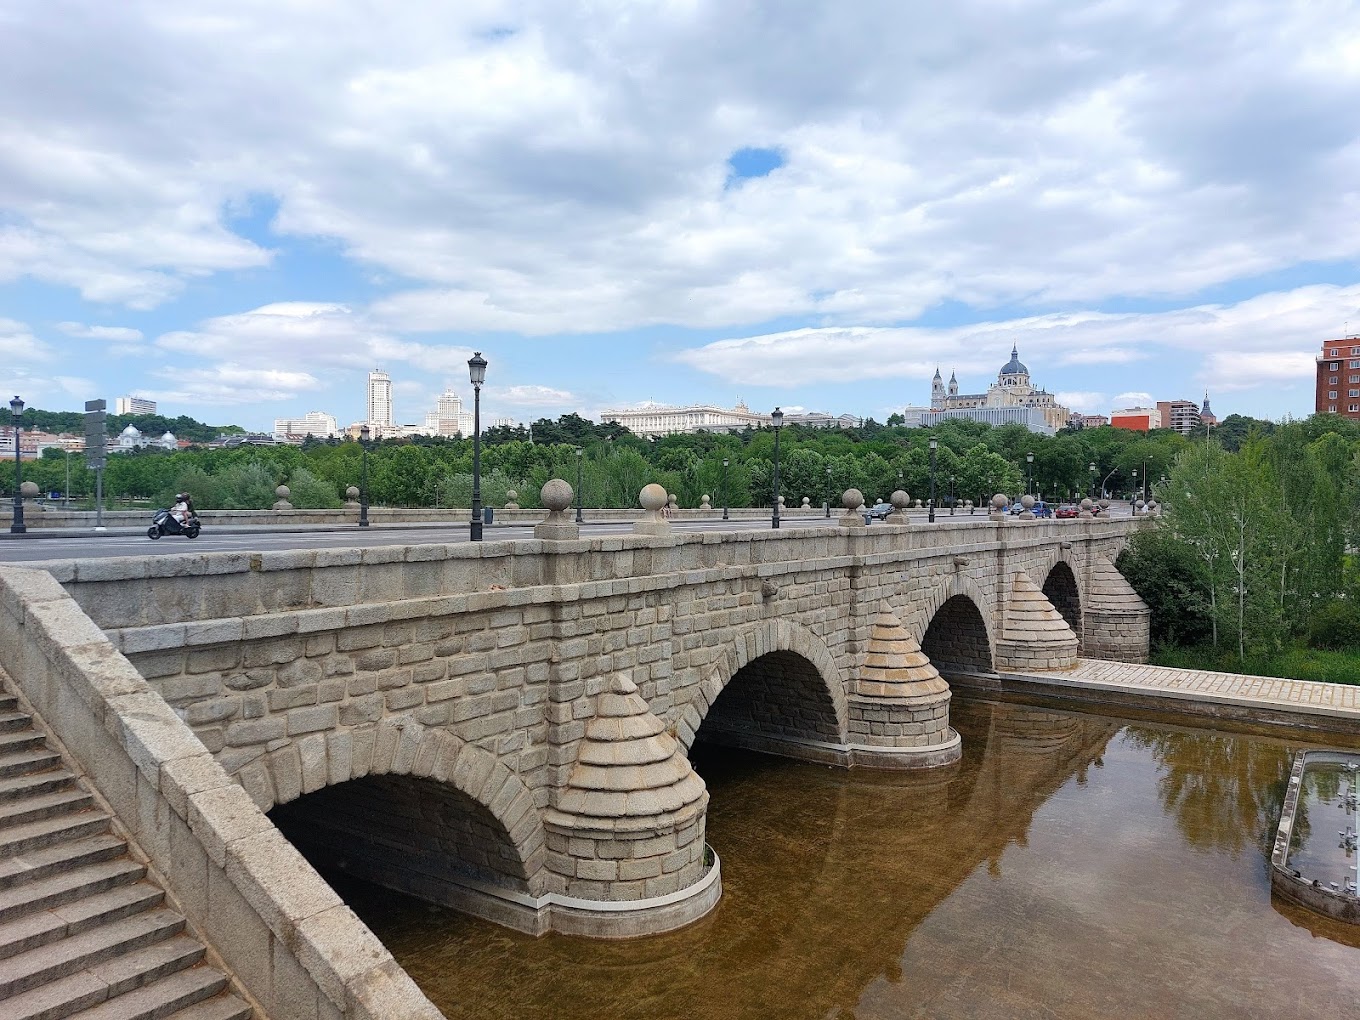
(1338, 377)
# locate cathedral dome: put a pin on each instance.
(1014, 367)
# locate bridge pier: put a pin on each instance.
(898, 714)
(1034, 636)
(1118, 621)
(625, 837)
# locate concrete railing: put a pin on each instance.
(284, 935)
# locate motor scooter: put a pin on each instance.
(164, 523)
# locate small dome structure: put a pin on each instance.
(1014, 366)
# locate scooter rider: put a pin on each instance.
(183, 509)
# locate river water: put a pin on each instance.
(1072, 865)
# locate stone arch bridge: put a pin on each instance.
(504, 727)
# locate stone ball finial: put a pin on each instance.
(1086, 503)
(352, 493)
(28, 490)
(283, 492)
(511, 496)
(1027, 501)
(704, 498)
(556, 494)
(1000, 501)
(900, 500)
(807, 502)
(652, 497)
(852, 499)
(1104, 504)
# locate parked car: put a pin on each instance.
(1040, 508)
(877, 512)
(1067, 510)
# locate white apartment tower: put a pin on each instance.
(379, 400)
(134, 405)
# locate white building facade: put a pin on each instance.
(133, 405)
(313, 423)
(379, 400)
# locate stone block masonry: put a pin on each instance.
(514, 676)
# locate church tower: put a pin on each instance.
(953, 385)
(937, 391)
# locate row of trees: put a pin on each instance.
(973, 461)
(1252, 550)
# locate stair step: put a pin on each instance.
(64, 856)
(84, 989)
(32, 758)
(20, 738)
(49, 805)
(14, 720)
(68, 886)
(33, 930)
(17, 787)
(188, 995)
(223, 1007)
(21, 839)
(8, 702)
(88, 950)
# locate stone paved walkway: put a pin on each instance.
(1303, 696)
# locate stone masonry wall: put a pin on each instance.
(957, 638)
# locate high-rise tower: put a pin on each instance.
(379, 399)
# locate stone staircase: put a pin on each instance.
(84, 932)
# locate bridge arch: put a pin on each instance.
(956, 630)
(774, 646)
(409, 807)
(1061, 587)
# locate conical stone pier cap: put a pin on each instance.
(894, 666)
(630, 774)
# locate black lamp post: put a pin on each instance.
(16, 408)
(725, 517)
(777, 417)
(1133, 493)
(951, 496)
(579, 496)
(828, 493)
(1092, 468)
(1029, 472)
(934, 445)
(364, 433)
(477, 373)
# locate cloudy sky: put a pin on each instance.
(239, 207)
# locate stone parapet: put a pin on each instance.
(285, 936)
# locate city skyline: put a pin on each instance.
(269, 204)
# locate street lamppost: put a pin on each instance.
(16, 408)
(725, 517)
(951, 495)
(477, 373)
(776, 416)
(1029, 472)
(1092, 468)
(1133, 493)
(364, 433)
(934, 445)
(579, 497)
(828, 492)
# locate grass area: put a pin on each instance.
(1298, 662)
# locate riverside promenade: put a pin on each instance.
(1266, 700)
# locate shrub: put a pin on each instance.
(1336, 626)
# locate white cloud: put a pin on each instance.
(122, 334)
(17, 343)
(229, 383)
(1085, 401)
(1134, 399)
(534, 396)
(1266, 325)
(568, 175)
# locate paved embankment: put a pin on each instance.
(1258, 699)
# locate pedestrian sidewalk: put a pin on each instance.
(1264, 694)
